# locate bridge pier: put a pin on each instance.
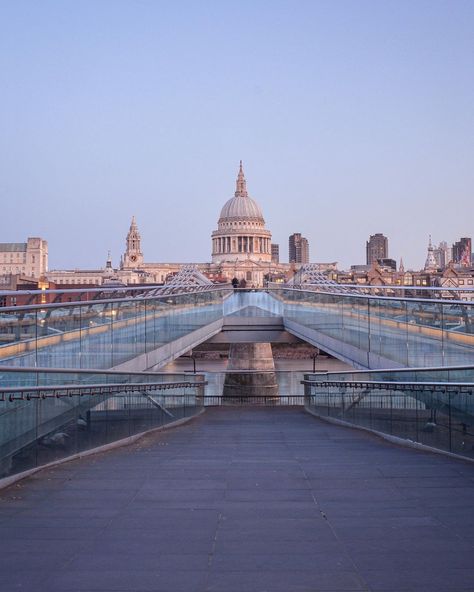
(250, 373)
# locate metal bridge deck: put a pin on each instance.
(243, 500)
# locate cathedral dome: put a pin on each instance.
(241, 235)
(241, 206)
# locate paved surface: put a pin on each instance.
(244, 500)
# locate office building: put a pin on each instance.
(462, 252)
(376, 248)
(28, 259)
(275, 253)
(298, 249)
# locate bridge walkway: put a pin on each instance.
(240, 500)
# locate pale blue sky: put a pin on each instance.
(351, 117)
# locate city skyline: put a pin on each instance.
(350, 120)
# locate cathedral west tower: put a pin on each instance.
(133, 256)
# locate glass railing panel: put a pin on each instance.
(458, 322)
(58, 342)
(18, 334)
(102, 333)
(17, 325)
(356, 322)
(255, 300)
(53, 417)
(422, 405)
(424, 334)
(409, 332)
(392, 331)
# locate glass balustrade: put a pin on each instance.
(101, 334)
(374, 331)
(431, 406)
(49, 415)
(369, 331)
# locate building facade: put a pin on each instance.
(442, 254)
(376, 248)
(298, 249)
(275, 253)
(28, 259)
(462, 250)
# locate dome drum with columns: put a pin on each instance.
(241, 234)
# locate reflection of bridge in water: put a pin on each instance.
(244, 492)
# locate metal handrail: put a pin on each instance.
(96, 290)
(37, 369)
(230, 290)
(226, 285)
(373, 297)
(414, 369)
(22, 393)
(396, 287)
(90, 303)
(392, 385)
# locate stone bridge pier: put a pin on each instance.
(250, 373)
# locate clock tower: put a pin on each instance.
(133, 257)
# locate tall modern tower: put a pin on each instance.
(462, 251)
(275, 253)
(298, 249)
(376, 248)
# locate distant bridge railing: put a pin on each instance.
(368, 331)
(391, 290)
(83, 294)
(371, 331)
(105, 332)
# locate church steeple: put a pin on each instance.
(133, 254)
(430, 263)
(108, 264)
(241, 188)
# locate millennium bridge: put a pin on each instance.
(119, 476)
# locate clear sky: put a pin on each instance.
(351, 117)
